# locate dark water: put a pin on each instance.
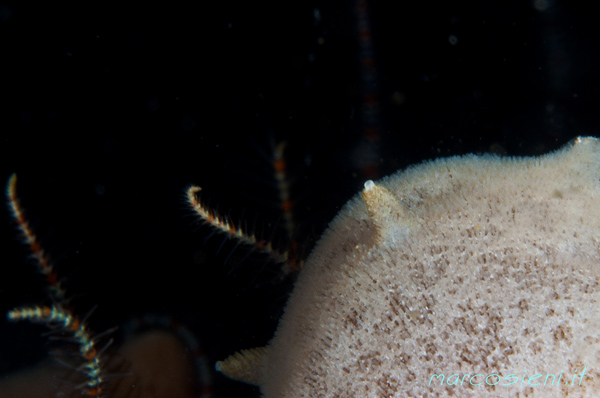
(110, 112)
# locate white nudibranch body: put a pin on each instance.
(471, 276)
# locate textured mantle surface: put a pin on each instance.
(471, 265)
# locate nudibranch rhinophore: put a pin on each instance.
(470, 276)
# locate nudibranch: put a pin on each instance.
(470, 276)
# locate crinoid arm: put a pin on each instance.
(59, 317)
(224, 226)
(42, 261)
(291, 263)
(62, 319)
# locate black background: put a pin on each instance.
(109, 111)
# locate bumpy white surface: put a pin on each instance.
(481, 265)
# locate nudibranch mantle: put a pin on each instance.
(470, 265)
